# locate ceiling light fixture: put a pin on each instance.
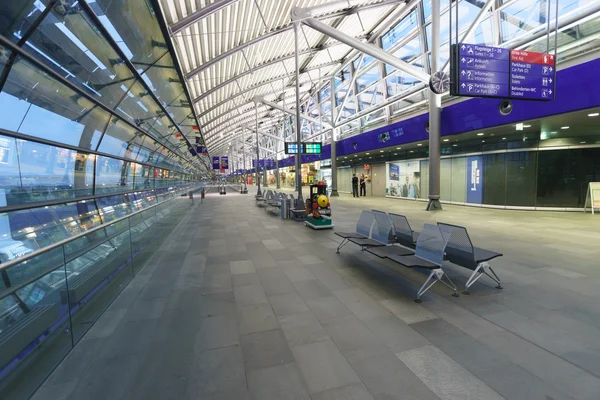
(454, 145)
(420, 144)
(367, 153)
(503, 138)
(564, 127)
(398, 148)
(526, 126)
(381, 151)
(593, 114)
(446, 140)
(480, 134)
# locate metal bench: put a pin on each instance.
(381, 232)
(26, 330)
(460, 251)
(429, 255)
(363, 229)
(261, 201)
(403, 232)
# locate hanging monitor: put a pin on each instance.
(306, 148)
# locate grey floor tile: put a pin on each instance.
(281, 382)
(328, 309)
(106, 324)
(217, 331)
(350, 334)
(395, 334)
(278, 285)
(57, 391)
(241, 267)
(146, 309)
(387, 377)
(407, 310)
(444, 376)
(245, 279)
(302, 328)
(265, 349)
(309, 259)
(361, 304)
(356, 391)
(299, 274)
(323, 366)
(248, 295)
(312, 289)
(286, 304)
(217, 373)
(256, 318)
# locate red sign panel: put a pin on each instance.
(531, 57)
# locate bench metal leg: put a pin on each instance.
(344, 242)
(436, 275)
(482, 269)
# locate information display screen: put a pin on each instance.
(306, 148)
(483, 71)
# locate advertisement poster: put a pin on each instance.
(394, 172)
(475, 180)
(216, 163)
(224, 162)
(408, 181)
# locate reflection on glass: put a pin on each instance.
(164, 81)
(69, 43)
(406, 52)
(112, 175)
(18, 16)
(369, 77)
(121, 140)
(400, 31)
(31, 96)
(10, 179)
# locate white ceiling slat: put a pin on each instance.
(229, 100)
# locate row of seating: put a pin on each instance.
(391, 236)
(271, 199)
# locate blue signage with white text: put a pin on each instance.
(475, 179)
(216, 162)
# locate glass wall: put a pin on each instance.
(523, 179)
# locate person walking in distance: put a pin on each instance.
(354, 185)
(363, 185)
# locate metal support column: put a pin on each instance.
(299, 201)
(334, 192)
(258, 192)
(277, 181)
(245, 171)
(435, 106)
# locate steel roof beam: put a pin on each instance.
(267, 35)
(288, 111)
(204, 12)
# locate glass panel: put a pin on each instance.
(369, 77)
(325, 92)
(133, 25)
(349, 106)
(371, 97)
(340, 94)
(137, 106)
(31, 96)
(17, 17)
(121, 140)
(406, 53)
(482, 35)
(10, 179)
(52, 173)
(400, 31)
(399, 82)
(494, 179)
(459, 180)
(96, 277)
(164, 81)
(427, 8)
(111, 175)
(446, 179)
(37, 316)
(68, 42)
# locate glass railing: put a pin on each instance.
(51, 296)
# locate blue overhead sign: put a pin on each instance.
(483, 71)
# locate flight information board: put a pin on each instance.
(483, 71)
(306, 148)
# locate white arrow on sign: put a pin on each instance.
(463, 85)
(550, 91)
(550, 80)
(463, 72)
(462, 47)
(463, 60)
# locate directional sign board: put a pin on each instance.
(483, 71)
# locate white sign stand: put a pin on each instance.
(593, 195)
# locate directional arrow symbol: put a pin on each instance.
(550, 91)
(463, 60)
(550, 80)
(462, 47)
(463, 85)
(463, 72)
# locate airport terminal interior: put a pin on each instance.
(300, 199)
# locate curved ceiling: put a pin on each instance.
(234, 50)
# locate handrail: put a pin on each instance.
(11, 263)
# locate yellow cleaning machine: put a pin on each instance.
(318, 209)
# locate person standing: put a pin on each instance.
(354, 185)
(363, 185)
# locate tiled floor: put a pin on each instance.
(239, 304)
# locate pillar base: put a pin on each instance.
(258, 192)
(278, 187)
(434, 205)
(334, 193)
